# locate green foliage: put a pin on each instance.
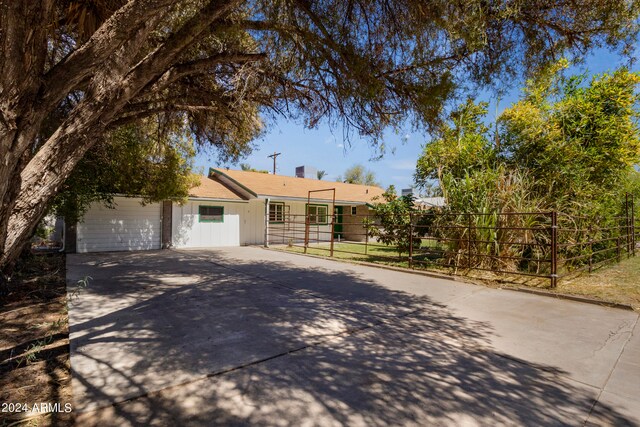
(321, 174)
(579, 142)
(248, 168)
(497, 189)
(357, 174)
(568, 145)
(32, 352)
(43, 231)
(480, 214)
(79, 287)
(460, 150)
(632, 183)
(421, 53)
(565, 145)
(393, 221)
(133, 160)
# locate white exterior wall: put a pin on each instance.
(130, 226)
(253, 225)
(189, 232)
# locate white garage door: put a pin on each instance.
(128, 227)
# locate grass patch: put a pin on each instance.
(354, 252)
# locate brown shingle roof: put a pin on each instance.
(211, 189)
(262, 184)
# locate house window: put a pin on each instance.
(211, 213)
(276, 212)
(317, 214)
(354, 210)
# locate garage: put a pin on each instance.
(129, 226)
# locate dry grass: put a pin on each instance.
(619, 283)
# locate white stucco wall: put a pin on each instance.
(130, 226)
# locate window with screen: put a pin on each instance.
(276, 212)
(354, 210)
(317, 214)
(211, 213)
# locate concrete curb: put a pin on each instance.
(470, 281)
(571, 297)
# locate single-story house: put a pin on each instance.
(426, 203)
(227, 208)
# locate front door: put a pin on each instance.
(337, 228)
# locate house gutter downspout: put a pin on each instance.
(266, 222)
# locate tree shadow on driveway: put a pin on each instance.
(173, 339)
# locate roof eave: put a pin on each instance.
(217, 199)
(226, 179)
(304, 199)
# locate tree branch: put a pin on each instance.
(117, 30)
(200, 66)
(159, 60)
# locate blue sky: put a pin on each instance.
(328, 151)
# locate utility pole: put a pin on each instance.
(274, 156)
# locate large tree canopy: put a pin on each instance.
(71, 70)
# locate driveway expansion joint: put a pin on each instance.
(604, 386)
(328, 338)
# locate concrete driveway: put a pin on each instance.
(250, 336)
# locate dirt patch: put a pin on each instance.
(34, 345)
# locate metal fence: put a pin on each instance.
(544, 245)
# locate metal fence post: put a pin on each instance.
(589, 237)
(469, 241)
(333, 221)
(633, 225)
(410, 239)
(366, 234)
(307, 224)
(333, 230)
(628, 225)
(554, 249)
